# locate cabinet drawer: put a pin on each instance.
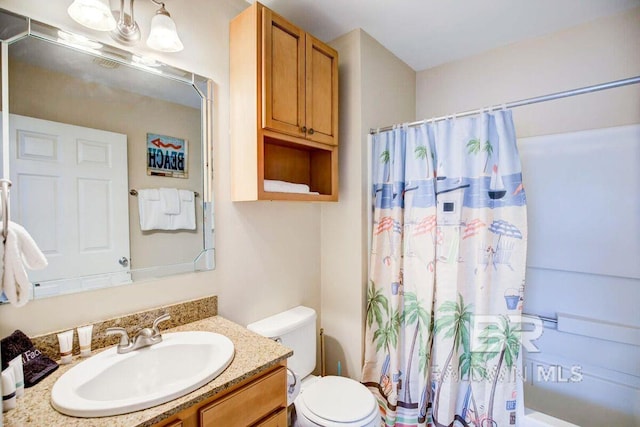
(279, 419)
(249, 404)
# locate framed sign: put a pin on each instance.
(167, 156)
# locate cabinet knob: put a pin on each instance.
(303, 129)
(311, 131)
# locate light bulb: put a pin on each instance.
(94, 14)
(163, 35)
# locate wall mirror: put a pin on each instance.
(82, 119)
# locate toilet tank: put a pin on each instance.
(296, 329)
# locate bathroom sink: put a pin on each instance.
(110, 383)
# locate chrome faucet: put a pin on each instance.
(144, 338)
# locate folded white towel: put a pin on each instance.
(286, 187)
(150, 212)
(170, 201)
(186, 195)
(186, 220)
(154, 217)
(20, 251)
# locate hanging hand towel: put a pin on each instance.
(151, 215)
(170, 201)
(186, 219)
(20, 250)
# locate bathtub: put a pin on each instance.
(538, 419)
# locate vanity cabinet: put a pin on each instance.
(284, 108)
(258, 401)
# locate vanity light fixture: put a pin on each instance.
(95, 14)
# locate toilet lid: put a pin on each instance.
(339, 399)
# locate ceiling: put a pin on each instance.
(426, 33)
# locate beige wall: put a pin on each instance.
(267, 254)
(603, 50)
(376, 88)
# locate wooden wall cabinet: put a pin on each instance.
(284, 108)
(260, 401)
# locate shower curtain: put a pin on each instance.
(448, 250)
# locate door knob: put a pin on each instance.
(123, 261)
(311, 131)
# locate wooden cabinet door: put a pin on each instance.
(283, 78)
(321, 108)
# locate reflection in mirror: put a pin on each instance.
(86, 122)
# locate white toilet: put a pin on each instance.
(329, 401)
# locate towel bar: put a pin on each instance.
(134, 192)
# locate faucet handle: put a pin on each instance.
(124, 337)
(156, 322)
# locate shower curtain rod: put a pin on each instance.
(528, 101)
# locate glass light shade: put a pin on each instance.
(94, 14)
(163, 35)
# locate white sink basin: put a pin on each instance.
(111, 384)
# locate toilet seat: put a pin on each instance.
(337, 402)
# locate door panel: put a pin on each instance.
(321, 92)
(283, 75)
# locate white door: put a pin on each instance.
(70, 191)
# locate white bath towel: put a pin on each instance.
(170, 201)
(20, 251)
(286, 187)
(153, 215)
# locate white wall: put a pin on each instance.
(597, 52)
(376, 88)
(267, 254)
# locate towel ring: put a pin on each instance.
(6, 184)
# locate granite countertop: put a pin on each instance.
(253, 354)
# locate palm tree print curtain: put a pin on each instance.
(447, 274)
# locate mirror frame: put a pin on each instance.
(27, 27)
